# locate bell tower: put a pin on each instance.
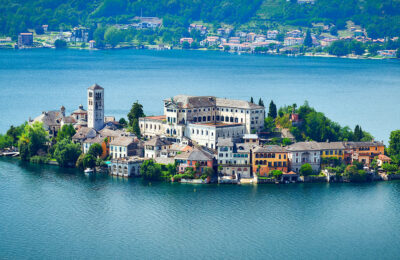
(96, 107)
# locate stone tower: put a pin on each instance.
(96, 107)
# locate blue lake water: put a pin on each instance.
(47, 212)
(350, 92)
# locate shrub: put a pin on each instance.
(39, 159)
(306, 169)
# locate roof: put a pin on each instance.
(223, 102)
(110, 132)
(50, 118)
(162, 160)
(225, 142)
(362, 144)
(304, 146)
(195, 155)
(331, 146)
(177, 147)
(161, 118)
(157, 141)
(80, 110)
(243, 147)
(250, 136)
(270, 149)
(123, 141)
(84, 132)
(98, 139)
(95, 86)
(185, 101)
(383, 157)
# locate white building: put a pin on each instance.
(184, 115)
(123, 146)
(126, 167)
(235, 159)
(304, 152)
(95, 107)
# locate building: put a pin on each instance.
(80, 114)
(251, 139)
(383, 159)
(98, 139)
(204, 119)
(302, 153)
(53, 120)
(234, 159)
(197, 158)
(154, 146)
(331, 151)
(272, 34)
(268, 158)
(291, 41)
(126, 167)
(124, 146)
(363, 152)
(189, 40)
(80, 34)
(84, 133)
(92, 44)
(25, 39)
(387, 53)
(95, 107)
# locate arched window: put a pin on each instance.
(167, 131)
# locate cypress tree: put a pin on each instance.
(251, 100)
(308, 39)
(272, 110)
(260, 102)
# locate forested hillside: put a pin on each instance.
(380, 17)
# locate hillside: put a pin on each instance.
(380, 17)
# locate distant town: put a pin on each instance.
(351, 41)
(202, 139)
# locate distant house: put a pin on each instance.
(387, 53)
(25, 39)
(199, 27)
(80, 34)
(291, 41)
(53, 120)
(154, 146)
(212, 40)
(92, 44)
(294, 34)
(124, 146)
(198, 159)
(234, 40)
(148, 22)
(189, 40)
(383, 159)
(45, 27)
(272, 34)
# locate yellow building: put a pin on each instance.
(330, 151)
(268, 158)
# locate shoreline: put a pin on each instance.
(315, 55)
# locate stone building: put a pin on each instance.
(234, 159)
(126, 167)
(95, 107)
(302, 153)
(185, 115)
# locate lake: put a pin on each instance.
(47, 212)
(350, 92)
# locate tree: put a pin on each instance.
(333, 31)
(66, 132)
(260, 102)
(277, 174)
(32, 140)
(67, 153)
(5, 141)
(122, 122)
(394, 143)
(150, 171)
(306, 169)
(308, 40)
(79, 162)
(227, 48)
(390, 168)
(113, 36)
(338, 48)
(89, 161)
(60, 44)
(269, 124)
(358, 133)
(135, 112)
(39, 30)
(355, 175)
(356, 47)
(272, 110)
(185, 45)
(252, 100)
(136, 128)
(96, 150)
(208, 171)
(15, 133)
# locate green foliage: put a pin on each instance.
(390, 168)
(355, 174)
(209, 172)
(6, 141)
(113, 36)
(66, 132)
(32, 140)
(394, 143)
(277, 174)
(135, 112)
(308, 40)
(269, 124)
(39, 159)
(150, 170)
(79, 162)
(60, 44)
(286, 141)
(306, 169)
(122, 122)
(272, 110)
(15, 133)
(96, 150)
(66, 153)
(261, 102)
(89, 161)
(185, 45)
(344, 47)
